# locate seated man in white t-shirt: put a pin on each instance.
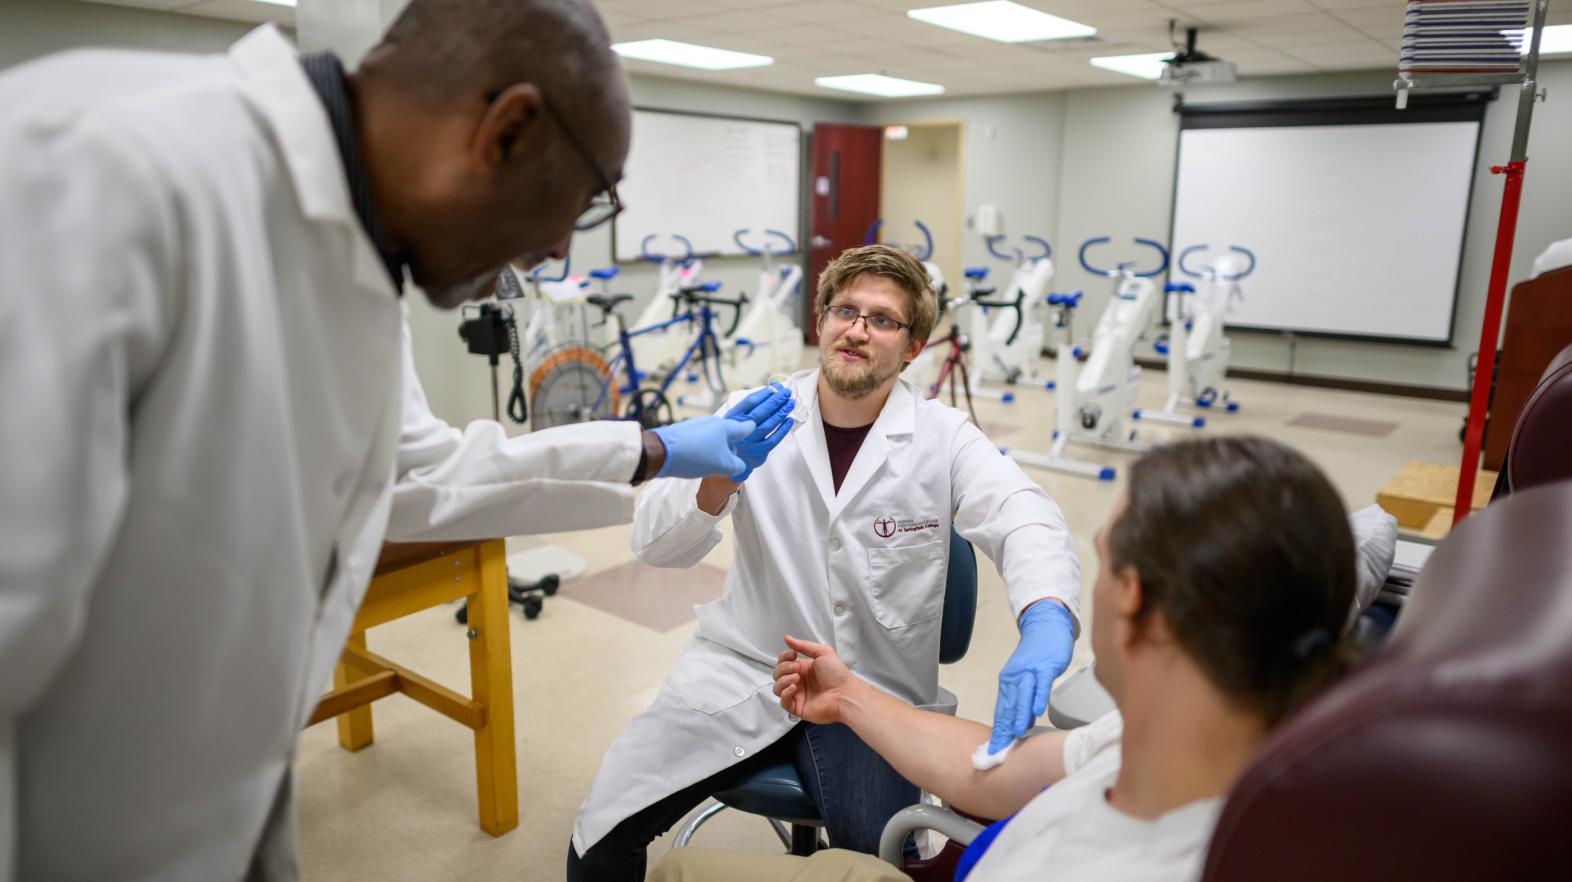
(1227, 571)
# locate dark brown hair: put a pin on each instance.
(922, 305)
(1244, 546)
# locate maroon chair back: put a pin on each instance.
(1540, 451)
(1449, 754)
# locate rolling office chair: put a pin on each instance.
(776, 792)
(1445, 756)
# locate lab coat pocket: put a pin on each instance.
(713, 681)
(907, 583)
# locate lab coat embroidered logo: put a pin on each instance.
(884, 527)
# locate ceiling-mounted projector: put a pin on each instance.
(1190, 66)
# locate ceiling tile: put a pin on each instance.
(1228, 12)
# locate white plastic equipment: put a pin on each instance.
(658, 351)
(767, 340)
(1094, 401)
(1197, 348)
(1015, 337)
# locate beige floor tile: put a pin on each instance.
(404, 808)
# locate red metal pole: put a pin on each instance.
(1485, 369)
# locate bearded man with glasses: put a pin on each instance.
(843, 534)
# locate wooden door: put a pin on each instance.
(845, 197)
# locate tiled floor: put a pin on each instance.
(404, 808)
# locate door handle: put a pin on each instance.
(819, 242)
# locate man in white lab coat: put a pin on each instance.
(201, 260)
(843, 534)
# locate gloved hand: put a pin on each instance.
(769, 409)
(1047, 638)
(703, 446)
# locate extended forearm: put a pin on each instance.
(933, 751)
(713, 493)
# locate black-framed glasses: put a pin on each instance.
(605, 205)
(883, 324)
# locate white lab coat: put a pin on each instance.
(862, 570)
(200, 375)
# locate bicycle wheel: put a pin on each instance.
(566, 387)
(653, 408)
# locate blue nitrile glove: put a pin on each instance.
(769, 409)
(1047, 638)
(702, 446)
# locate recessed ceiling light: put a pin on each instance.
(278, 2)
(1147, 66)
(879, 84)
(1002, 20)
(690, 55)
(1556, 40)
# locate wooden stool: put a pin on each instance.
(417, 576)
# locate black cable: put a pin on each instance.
(518, 410)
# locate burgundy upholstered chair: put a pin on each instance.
(1449, 754)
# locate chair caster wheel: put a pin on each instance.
(462, 616)
(532, 607)
(549, 584)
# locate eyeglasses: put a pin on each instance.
(846, 316)
(605, 205)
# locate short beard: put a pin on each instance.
(852, 383)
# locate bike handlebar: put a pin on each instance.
(536, 274)
(1227, 278)
(923, 253)
(927, 238)
(1120, 269)
(791, 244)
(1020, 314)
(992, 241)
(661, 257)
(1041, 242)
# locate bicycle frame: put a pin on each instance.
(706, 343)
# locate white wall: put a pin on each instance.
(1013, 159)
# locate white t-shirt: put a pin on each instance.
(1069, 832)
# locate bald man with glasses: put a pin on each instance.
(212, 418)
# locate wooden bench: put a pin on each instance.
(417, 576)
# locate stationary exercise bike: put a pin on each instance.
(1094, 401)
(659, 350)
(1015, 338)
(1196, 347)
(767, 340)
(1066, 376)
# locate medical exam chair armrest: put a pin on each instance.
(923, 817)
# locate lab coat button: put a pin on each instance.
(738, 750)
(835, 545)
(840, 609)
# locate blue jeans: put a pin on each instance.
(855, 790)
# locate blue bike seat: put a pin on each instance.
(605, 272)
(1071, 299)
(976, 272)
(1178, 286)
(706, 287)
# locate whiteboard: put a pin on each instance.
(704, 177)
(1357, 229)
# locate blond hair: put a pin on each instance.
(922, 304)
